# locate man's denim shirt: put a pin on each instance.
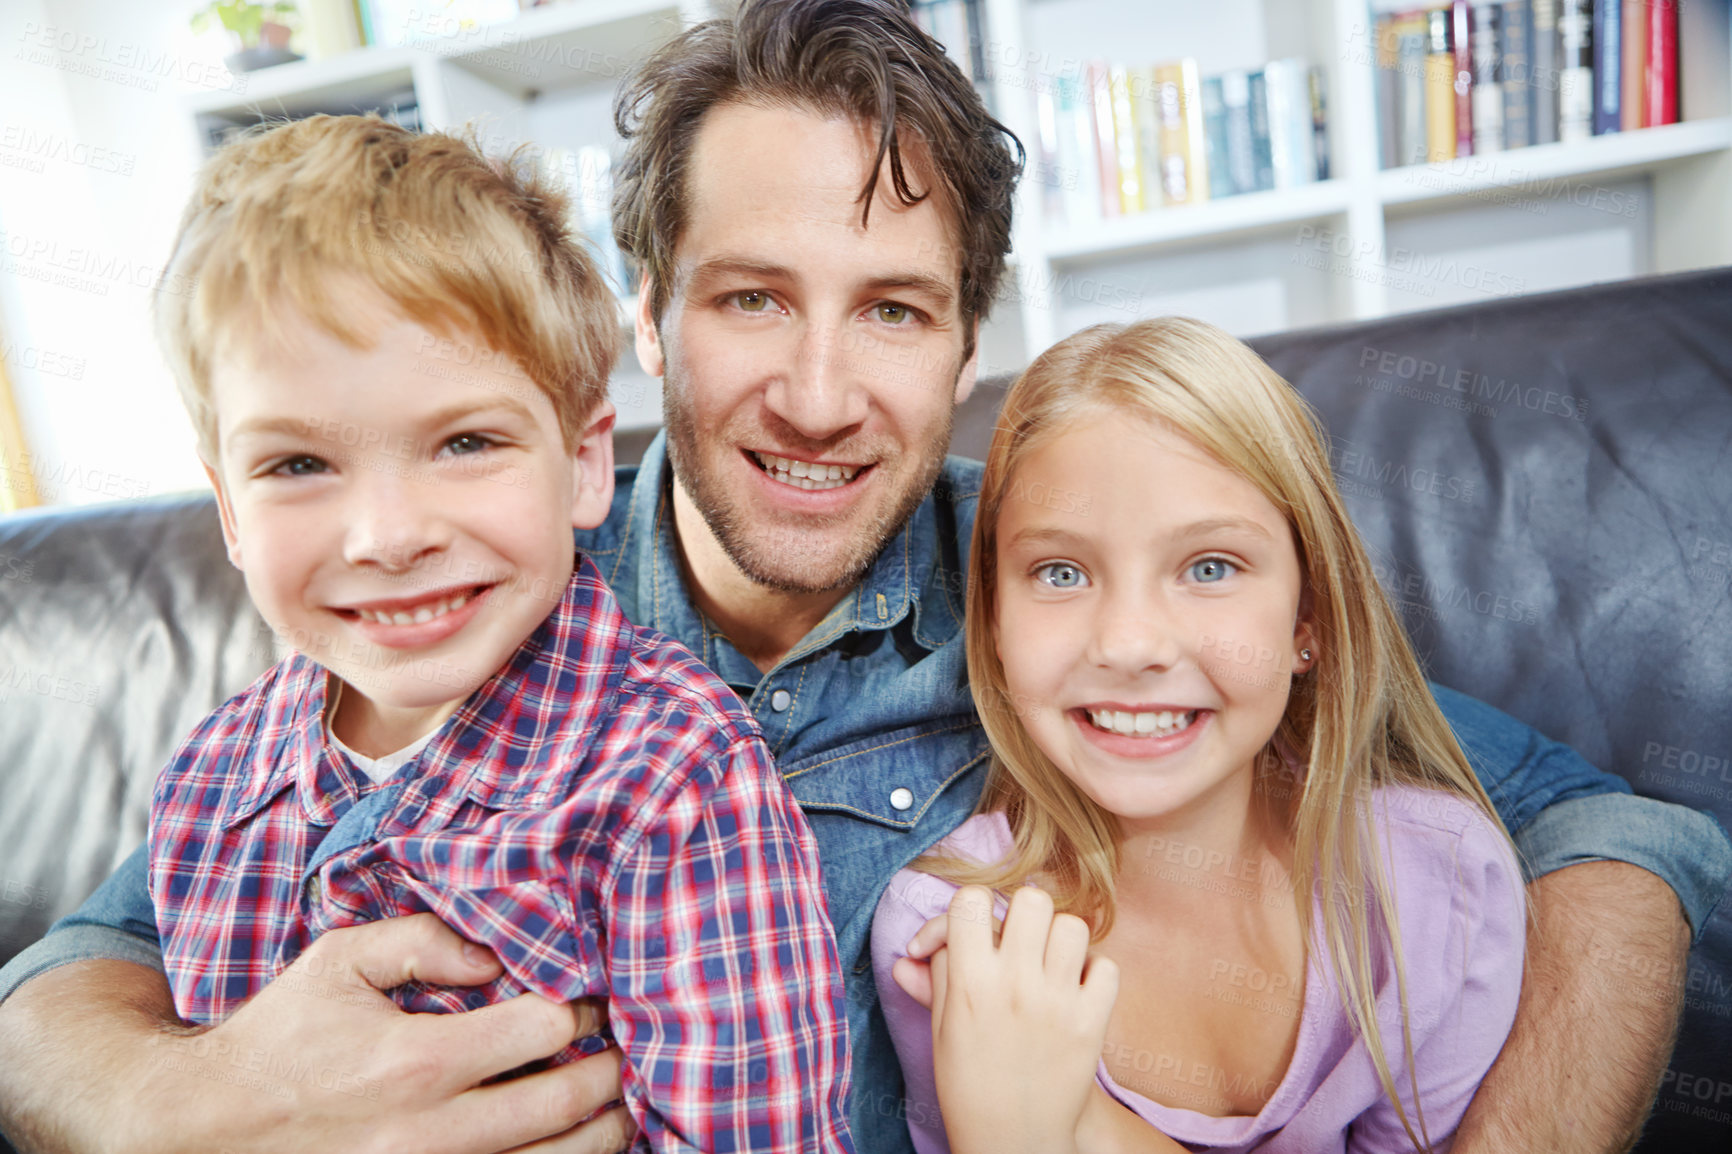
(871, 723)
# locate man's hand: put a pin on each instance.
(1604, 981)
(319, 1060)
(1017, 1027)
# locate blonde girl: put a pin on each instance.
(1257, 899)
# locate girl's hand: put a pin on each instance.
(914, 972)
(1017, 1026)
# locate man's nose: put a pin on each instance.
(394, 522)
(821, 391)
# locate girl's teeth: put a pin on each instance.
(804, 474)
(1143, 723)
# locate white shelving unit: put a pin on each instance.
(1311, 254)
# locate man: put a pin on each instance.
(814, 278)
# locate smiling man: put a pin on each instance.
(822, 208)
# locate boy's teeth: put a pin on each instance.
(1144, 723)
(806, 475)
(421, 616)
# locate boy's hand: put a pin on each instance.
(1017, 1025)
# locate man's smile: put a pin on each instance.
(808, 475)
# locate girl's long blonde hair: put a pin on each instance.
(1362, 717)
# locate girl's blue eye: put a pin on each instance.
(1212, 569)
(1061, 575)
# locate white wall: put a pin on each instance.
(96, 158)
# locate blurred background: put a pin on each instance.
(1264, 164)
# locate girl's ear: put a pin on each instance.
(1304, 643)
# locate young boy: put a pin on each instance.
(397, 362)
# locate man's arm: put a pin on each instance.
(1617, 883)
(1597, 1019)
(93, 1057)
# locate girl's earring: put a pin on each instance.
(1305, 656)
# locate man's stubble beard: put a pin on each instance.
(781, 565)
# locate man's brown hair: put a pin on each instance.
(292, 219)
(864, 59)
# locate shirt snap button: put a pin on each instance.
(780, 700)
(901, 798)
(313, 890)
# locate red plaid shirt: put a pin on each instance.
(602, 814)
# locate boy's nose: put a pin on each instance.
(394, 524)
(819, 392)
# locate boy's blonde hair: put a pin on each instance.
(290, 218)
(1361, 718)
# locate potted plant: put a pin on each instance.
(261, 29)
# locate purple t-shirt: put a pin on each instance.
(1462, 918)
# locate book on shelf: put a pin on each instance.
(1544, 49)
(1118, 140)
(1243, 171)
(1440, 102)
(1183, 156)
(1633, 26)
(1608, 83)
(1461, 43)
(1317, 89)
(1487, 41)
(1515, 35)
(1660, 87)
(1575, 70)
(1483, 76)
(1126, 147)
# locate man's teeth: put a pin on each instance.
(806, 475)
(1146, 723)
(422, 615)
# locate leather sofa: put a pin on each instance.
(1546, 481)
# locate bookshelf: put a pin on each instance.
(1315, 252)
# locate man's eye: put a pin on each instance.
(893, 314)
(1212, 569)
(1060, 575)
(298, 467)
(752, 301)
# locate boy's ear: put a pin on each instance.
(225, 511)
(965, 379)
(592, 469)
(649, 342)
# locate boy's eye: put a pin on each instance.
(464, 443)
(893, 314)
(752, 301)
(1060, 575)
(1211, 569)
(298, 467)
